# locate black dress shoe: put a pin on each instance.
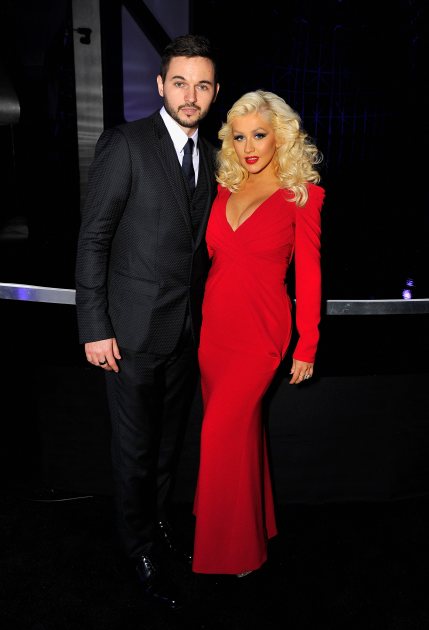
(170, 542)
(155, 587)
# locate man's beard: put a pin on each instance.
(185, 122)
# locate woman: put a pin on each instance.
(267, 210)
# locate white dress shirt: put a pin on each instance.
(180, 138)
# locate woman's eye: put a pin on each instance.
(260, 136)
(238, 138)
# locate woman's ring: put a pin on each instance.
(102, 362)
(307, 376)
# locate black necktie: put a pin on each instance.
(187, 165)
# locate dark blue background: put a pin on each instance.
(354, 71)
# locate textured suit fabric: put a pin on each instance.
(245, 334)
(149, 401)
(140, 260)
(141, 267)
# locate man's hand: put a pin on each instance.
(103, 354)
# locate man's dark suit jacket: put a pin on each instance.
(139, 265)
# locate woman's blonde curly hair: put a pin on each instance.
(296, 155)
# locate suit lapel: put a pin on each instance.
(172, 169)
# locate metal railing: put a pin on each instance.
(33, 293)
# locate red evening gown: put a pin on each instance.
(245, 333)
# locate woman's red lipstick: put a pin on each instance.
(251, 159)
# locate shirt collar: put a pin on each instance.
(177, 134)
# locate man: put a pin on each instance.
(140, 272)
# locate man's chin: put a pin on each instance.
(188, 122)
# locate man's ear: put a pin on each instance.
(216, 92)
(160, 84)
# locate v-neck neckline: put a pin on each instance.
(251, 215)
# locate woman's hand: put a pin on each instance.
(301, 371)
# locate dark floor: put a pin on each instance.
(354, 566)
(360, 431)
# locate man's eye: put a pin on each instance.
(203, 87)
(179, 84)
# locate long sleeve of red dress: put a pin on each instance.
(308, 274)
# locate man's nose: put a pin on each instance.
(191, 94)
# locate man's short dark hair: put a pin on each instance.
(187, 46)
